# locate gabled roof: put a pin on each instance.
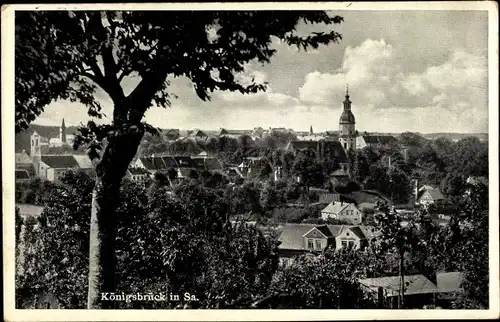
(23, 158)
(147, 163)
(435, 194)
(83, 161)
(358, 232)
(171, 132)
(416, 284)
(335, 207)
(291, 236)
(234, 132)
(60, 161)
(302, 200)
(198, 133)
(22, 174)
(323, 232)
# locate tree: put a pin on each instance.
(327, 282)
(75, 53)
(179, 242)
(395, 239)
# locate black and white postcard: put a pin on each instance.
(250, 161)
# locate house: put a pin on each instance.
(234, 133)
(278, 130)
(249, 164)
(374, 140)
(449, 285)
(22, 176)
(419, 290)
(351, 237)
(172, 134)
(298, 239)
(339, 210)
(257, 132)
(155, 164)
(24, 162)
(197, 133)
(53, 167)
(430, 196)
(138, 175)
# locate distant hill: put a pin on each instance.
(456, 136)
(22, 140)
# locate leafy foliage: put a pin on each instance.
(329, 281)
(180, 242)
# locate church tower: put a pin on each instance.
(347, 125)
(62, 132)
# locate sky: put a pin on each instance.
(419, 71)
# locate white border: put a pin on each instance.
(8, 179)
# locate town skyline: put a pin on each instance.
(400, 80)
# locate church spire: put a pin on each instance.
(347, 91)
(62, 132)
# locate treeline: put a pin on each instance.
(230, 150)
(441, 163)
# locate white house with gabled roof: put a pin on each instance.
(344, 211)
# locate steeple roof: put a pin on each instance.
(347, 116)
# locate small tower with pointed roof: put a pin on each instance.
(62, 132)
(347, 125)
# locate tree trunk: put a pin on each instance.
(402, 281)
(105, 199)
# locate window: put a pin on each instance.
(318, 244)
(310, 243)
(345, 145)
(344, 243)
(351, 244)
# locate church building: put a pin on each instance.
(347, 126)
(350, 139)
